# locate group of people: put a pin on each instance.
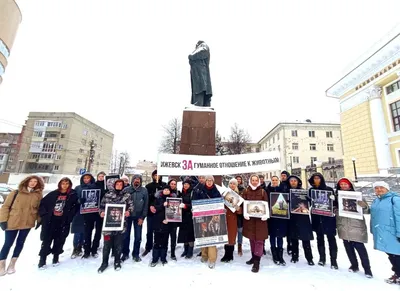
(58, 213)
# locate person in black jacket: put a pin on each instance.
(284, 186)
(240, 218)
(99, 220)
(57, 209)
(173, 227)
(152, 189)
(186, 230)
(277, 227)
(324, 225)
(300, 228)
(161, 227)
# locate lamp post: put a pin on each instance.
(355, 169)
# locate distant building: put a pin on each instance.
(369, 98)
(63, 143)
(302, 145)
(144, 168)
(10, 18)
(10, 144)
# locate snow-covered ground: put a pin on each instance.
(81, 274)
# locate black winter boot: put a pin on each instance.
(102, 268)
(226, 255)
(56, 261)
(322, 256)
(280, 257)
(173, 256)
(251, 261)
(189, 253)
(309, 256)
(295, 258)
(274, 253)
(42, 263)
(256, 265)
(163, 256)
(185, 250)
(334, 264)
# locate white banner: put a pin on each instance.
(192, 165)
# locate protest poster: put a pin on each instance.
(348, 204)
(110, 181)
(279, 205)
(299, 202)
(172, 211)
(194, 165)
(209, 222)
(321, 203)
(114, 217)
(232, 200)
(91, 198)
(256, 209)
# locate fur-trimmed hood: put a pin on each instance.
(23, 185)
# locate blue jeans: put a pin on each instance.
(138, 237)
(276, 242)
(240, 236)
(10, 236)
(79, 239)
(149, 235)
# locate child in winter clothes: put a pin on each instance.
(186, 230)
(255, 229)
(113, 240)
(57, 209)
(161, 227)
(354, 233)
(324, 225)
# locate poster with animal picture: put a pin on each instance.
(299, 202)
(172, 211)
(91, 198)
(110, 181)
(321, 203)
(256, 209)
(114, 217)
(279, 205)
(232, 200)
(348, 204)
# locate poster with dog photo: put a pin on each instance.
(110, 181)
(279, 205)
(114, 217)
(299, 202)
(172, 211)
(232, 200)
(348, 204)
(256, 209)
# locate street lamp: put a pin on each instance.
(355, 170)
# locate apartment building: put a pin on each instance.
(303, 145)
(9, 148)
(63, 143)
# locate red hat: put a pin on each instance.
(344, 180)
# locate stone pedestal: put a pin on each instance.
(198, 133)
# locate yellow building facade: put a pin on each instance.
(10, 18)
(369, 97)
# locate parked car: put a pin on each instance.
(4, 191)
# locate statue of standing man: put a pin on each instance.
(199, 61)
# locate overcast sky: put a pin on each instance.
(123, 64)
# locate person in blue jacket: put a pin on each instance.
(385, 226)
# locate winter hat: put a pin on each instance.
(167, 187)
(209, 177)
(344, 180)
(381, 184)
(124, 177)
(187, 181)
(234, 181)
(136, 176)
(154, 173)
(286, 173)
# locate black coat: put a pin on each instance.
(159, 216)
(240, 216)
(300, 226)
(186, 229)
(152, 189)
(46, 212)
(202, 192)
(100, 184)
(323, 224)
(277, 227)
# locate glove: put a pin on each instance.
(182, 205)
(398, 239)
(332, 197)
(264, 218)
(246, 217)
(3, 225)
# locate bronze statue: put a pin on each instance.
(199, 61)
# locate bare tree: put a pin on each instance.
(239, 140)
(124, 161)
(172, 137)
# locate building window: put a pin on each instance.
(50, 134)
(58, 157)
(56, 167)
(60, 146)
(62, 135)
(294, 133)
(331, 160)
(49, 147)
(392, 88)
(11, 159)
(38, 133)
(313, 147)
(329, 134)
(273, 139)
(313, 160)
(295, 146)
(53, 124)
(279, 148)
(1, 157)
(311, 133)
(330, 147)
(64, 126)
(84, 141)
(296, 160)
(85, 132)
(81, 151)
(395, 108)
(277, 137)
(35, 156)
(79, 161)
(39, 123)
